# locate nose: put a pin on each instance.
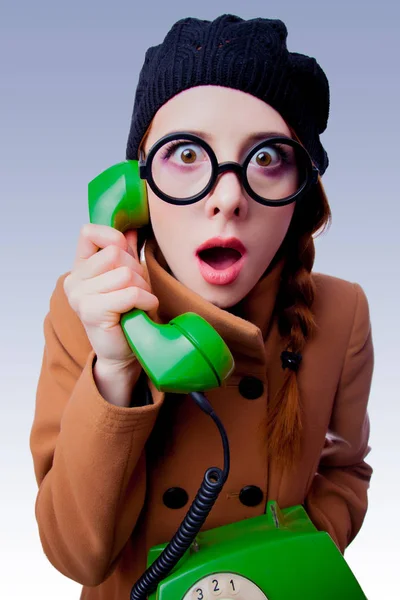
(227, 197)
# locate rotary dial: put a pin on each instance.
(224, 586)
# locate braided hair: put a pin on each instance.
(296, 323)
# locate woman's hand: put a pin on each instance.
(105, 282)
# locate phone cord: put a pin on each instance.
(214, 479)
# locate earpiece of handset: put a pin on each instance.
(187, 354)
(117, 197)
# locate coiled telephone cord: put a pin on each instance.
(214, 479)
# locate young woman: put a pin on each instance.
(117, 467)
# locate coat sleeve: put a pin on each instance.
(88, 454)
(337, 500)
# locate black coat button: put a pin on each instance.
(251, 387)
(251, 495)
(175, 497)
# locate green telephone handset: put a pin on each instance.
(190, 355)
(276, 556)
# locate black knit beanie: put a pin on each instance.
(250, 56)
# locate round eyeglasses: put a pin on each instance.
(181, 168)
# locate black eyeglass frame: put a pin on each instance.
(311, 172)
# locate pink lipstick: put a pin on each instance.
(221, 260)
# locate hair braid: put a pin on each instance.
(295, 321)
(296, 324)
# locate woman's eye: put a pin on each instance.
(187, 154)
(181, 153)
(266, 157)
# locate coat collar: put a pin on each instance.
(244, 334)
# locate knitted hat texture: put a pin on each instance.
(247, 55)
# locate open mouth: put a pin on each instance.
(220, 258)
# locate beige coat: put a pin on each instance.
(103, 470)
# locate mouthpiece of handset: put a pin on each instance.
(185, 355)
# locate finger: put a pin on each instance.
(131, 237)
(108, 259)
(334, 437)
(119, 278)
(100, 309)
(93, 236)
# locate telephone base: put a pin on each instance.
(281, 554)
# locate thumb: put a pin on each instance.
(131, 237)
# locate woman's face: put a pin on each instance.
(228, 120)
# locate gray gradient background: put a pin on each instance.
(68, 75)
